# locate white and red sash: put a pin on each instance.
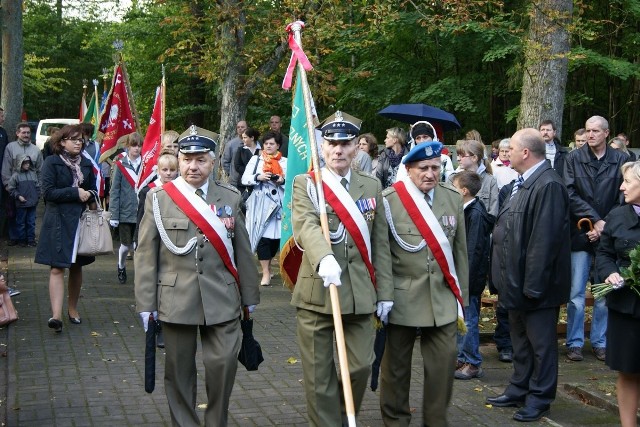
(205, 219)
(97, 172)
(128, 173)
(420, 213)
(348, 213)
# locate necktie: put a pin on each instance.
(200, 193)
(345, 183)
(516, 186)
(427, 198)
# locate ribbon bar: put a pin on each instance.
(297, 54)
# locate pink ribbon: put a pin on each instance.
(297, 54)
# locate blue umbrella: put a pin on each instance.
(411, 113)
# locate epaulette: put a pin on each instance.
(448, 186)
(365, 175)
(228, 186)
(388, 191)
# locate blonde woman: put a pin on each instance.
(395, 148)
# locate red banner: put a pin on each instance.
(116, 120)
(152, 144)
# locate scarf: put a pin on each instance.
(74, 165)
(271, 163)
(394, 159)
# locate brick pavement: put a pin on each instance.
(92, 374)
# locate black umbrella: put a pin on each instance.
(411, 113)
(150, 356)
(250, 352)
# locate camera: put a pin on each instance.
(274, 177)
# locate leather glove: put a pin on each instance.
(114, 222)
(144, 315)
(251, 308)
(330, 271)
(384, 307)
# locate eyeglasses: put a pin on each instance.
(75, 140)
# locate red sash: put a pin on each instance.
(199, 220)
(126, 173)
(424, 229)
(350, 225)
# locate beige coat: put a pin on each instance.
(194, 289)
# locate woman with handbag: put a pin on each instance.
(265, 173)
(67, 181)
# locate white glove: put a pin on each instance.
(251, 308)
(144, 315)
(384, 307)
(330, 271)
(114, 222)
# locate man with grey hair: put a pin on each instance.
(593, 178)
(530, 270)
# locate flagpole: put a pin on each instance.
(296, 27)
(127, 86)
(163, 88)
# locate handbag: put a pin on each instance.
(8, 312)
(250, 351)
(94, 235)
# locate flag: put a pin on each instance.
(93, 115)
(152, 144)
(83, 106)
(298, 162)
(117, 120)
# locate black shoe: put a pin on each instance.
(122, 275)
(529, 413)
(504, 401)
(74, 320)
(32, 244)
(55, 324)
(12, 243)
(505, 355)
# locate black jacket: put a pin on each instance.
(593, 192)
(384, 165)
(560, 158)
(478, 225)
(531, 249)
(621, 234)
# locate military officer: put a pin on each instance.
(357, 260)
(430, 274)
(194, 270)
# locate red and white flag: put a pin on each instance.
(152, 144)
(116, 120)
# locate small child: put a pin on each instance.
(24, 187)
(123, 201)
(478, 227)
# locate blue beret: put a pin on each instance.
(197, 140)
(425, 151)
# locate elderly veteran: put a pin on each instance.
(430, 274)
(357, 261)
(194, 271)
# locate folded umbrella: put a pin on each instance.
(150, 356)
(250, 351)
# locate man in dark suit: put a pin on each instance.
(530, 269)
(357, 260)
(195, 269)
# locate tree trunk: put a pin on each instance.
(545, 68)
(12, 64)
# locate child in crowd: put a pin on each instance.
(123, 201)
(478, 226)
(24, 187)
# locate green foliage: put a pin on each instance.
(38, 80)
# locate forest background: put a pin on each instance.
(496, 65)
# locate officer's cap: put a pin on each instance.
(197, 140)
(340, 127)
(425, 151)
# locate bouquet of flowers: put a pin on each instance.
(631, 276)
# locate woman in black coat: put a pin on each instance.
(621, 234)
(67, 179)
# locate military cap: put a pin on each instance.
(424, 151)
(197, 140)
(340, 127)
(422, 128)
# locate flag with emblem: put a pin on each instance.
(298, 162)
(117, 119)
(152, 144)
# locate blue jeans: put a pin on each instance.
(580, 266)
(469, 344)
(25, 225)
(502, 335)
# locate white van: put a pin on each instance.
(41, 133)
